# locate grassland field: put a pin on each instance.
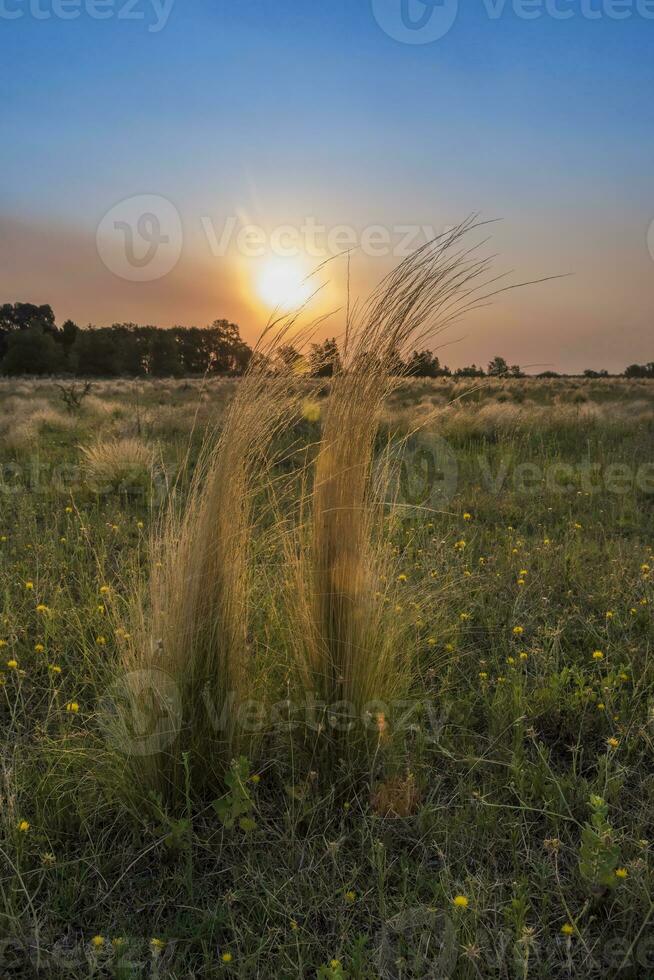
(515, 837)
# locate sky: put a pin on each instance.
(178, 161)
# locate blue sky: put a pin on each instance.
(274, 110)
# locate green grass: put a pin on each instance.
(504, 753)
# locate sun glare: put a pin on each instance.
(282, 283)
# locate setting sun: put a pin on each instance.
(282, 283)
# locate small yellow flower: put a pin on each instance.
(601, 706)
(613, 742)
(402, 578)
(524, 656)
(226, 957)
(104, 589)
(460, 902)
(23, 826)
(567, 929)
(464, 617)
(42, 608)
(518, 630)
(460, 545)
(255, 779)
(598, 655)
(29, 586)
(350, 897)
(38, 648)
(431, 641)
(294, 925)
(100, 641)
(334, 964)
(54, 669)
(97, 942)
(621, 873)
(3, 643)
(69, 510)
(157, 944)
(139, 525)
(72, 707)
(12, 664)
(483, 676)
(467, 516)
(610, 614)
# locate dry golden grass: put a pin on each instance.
(193, 616)
(117, 464)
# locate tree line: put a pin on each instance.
(31, 342)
